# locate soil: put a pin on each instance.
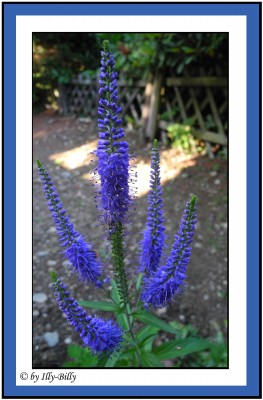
(63, 145)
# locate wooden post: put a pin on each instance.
(146, 105)
(152, 118)
(62, 100)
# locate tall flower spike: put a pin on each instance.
(113, 158)
(99, 335)
(78, 251)
(168, 280)
(153, 239)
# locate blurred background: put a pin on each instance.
(173, 87)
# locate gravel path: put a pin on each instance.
(63, 144)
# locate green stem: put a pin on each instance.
(118, 262)
(132, 336)
(110, 296)
(117, 243)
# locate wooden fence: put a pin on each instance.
(160, 102)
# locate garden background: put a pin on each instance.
(173, 87)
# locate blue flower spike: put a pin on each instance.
(112, 153)
(168, 280)
(80, 254)
(154, 237)
(102, 337)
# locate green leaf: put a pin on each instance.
(150, 319)
(122, 364)
(113, 359)
(121, 317)
(181, 347)
(147, 342)
(102, 361)
(150, 360)
(99, 305)
(82, 357)
(188, 50)
(180, 67)
(115, 293)
(189, 59)
(138, 283)
(145, 337)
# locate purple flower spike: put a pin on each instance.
(153, 240)
(113, 158)
(168, 280)
(99, 335)
(79, 253)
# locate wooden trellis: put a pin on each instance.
(159, 102)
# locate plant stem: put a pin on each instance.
(132, 336)
(117, 243)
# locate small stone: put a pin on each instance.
(185, 175)
(213, 173)
(65, 263)
(68, 340)
(39, 297)
(51, 263)
(52, 338)
(182, 318)
(36, 313)
(224, 225)
(42, 253)
(86, 120)
(206, 297)
(66, 174)
(168, 364)
(212, 250)
(37, 347)
(52, 229)
(161, 311)
(217, 182)
(198, 245)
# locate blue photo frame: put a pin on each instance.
(252, 11)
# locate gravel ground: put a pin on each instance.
(63, 145)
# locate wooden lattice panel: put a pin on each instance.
(203, 100)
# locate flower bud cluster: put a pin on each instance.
(167, 281)
(154, 237)
(82, 258)
(99, 335)
(113, 157)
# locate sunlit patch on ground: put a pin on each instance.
(75, 158)
(171, 167)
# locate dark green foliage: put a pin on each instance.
(181, 137)
(182, 347)
(182, 344)
(58, 57)
(151, 320)
(139, 54)
(80, 357)
(186, 350)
